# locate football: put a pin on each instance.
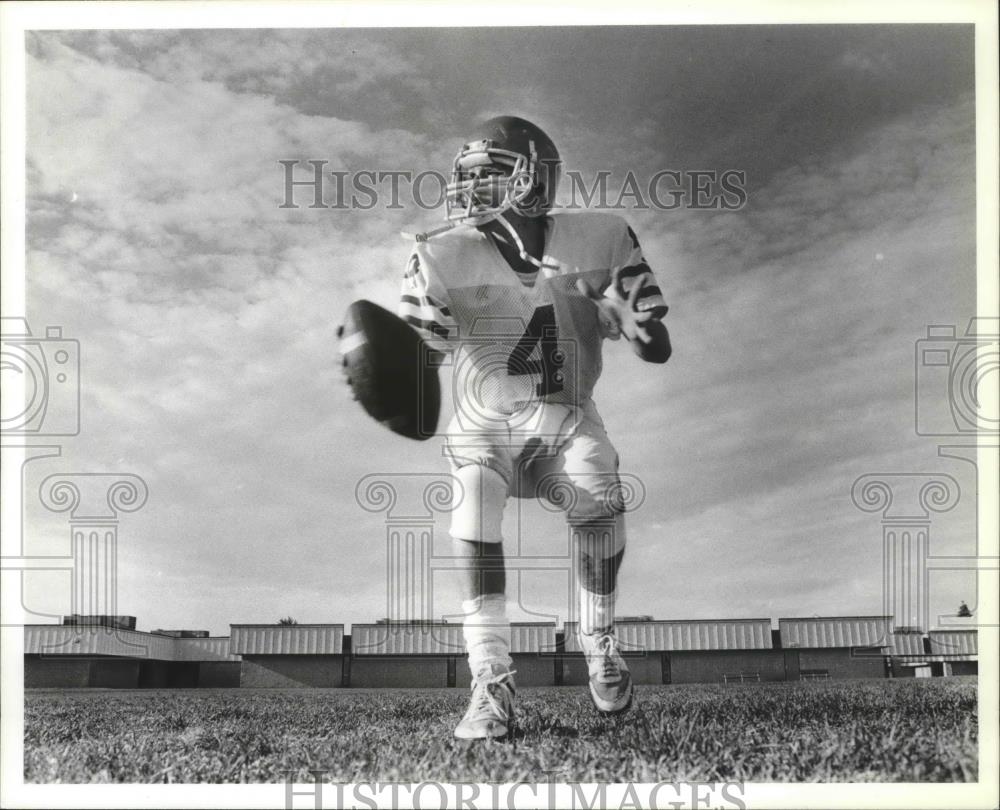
(389, 368)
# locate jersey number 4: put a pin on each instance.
(540, 339)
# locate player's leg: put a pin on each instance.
(477, 541)
(597, 565)
(599, 547)
(590, 469)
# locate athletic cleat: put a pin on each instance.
(610, 680)
(491, 713)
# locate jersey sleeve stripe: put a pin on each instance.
(433, 327)
(426, 312)
(425, 301)
(658, 308)
(633, 270)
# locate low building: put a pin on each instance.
(835, 647)
(956, 650)
(293, 655)
(940, 654)
(704, 651)
(104, 655)
(206, 662)
(107, 652)
(432, 654)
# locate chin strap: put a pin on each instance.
(423, 237)
(511, 230)
(522, 253)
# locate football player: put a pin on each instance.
(523, 298)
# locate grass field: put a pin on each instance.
(909, 731)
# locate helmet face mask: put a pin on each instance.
(516, 171)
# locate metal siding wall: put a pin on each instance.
(907, 644)
(735, 634)
(295, 639)
(203, 649)
(857, 631)
(441, 639)
(954, 642)
(387, 639)
(291, 671)
(532, 638)
(57, 639)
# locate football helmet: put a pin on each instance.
(514, 166)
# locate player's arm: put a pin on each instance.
(632, 303)
(643, 330)
(655, 349)
(650, 340)
(425, 309)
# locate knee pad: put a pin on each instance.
(600, 538)
(479, 513)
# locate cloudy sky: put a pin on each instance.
(206, 313)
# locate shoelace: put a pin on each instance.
(608, 645)
(484, 695)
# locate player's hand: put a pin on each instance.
(618, 317)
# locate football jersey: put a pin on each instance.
(517, 339)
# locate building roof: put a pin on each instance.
(724, 634)
(438, 638)
(204, 649)
(286, 639)
(954, 642)
(840, 631)
(907, 644)
(59, 639)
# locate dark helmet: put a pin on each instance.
(513, 166)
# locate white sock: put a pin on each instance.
(487, 632)
(597, 612)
